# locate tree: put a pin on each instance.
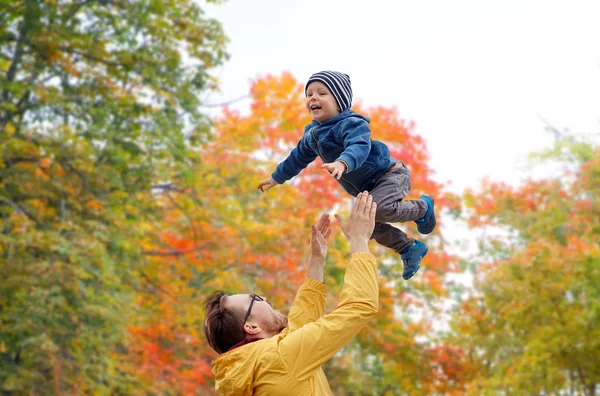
(531, 325)
(258, 242)
(99, 102)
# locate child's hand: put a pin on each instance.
(336, 168)
(266, 184)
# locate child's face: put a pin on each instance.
(320, 103)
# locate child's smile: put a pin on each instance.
(320, 103)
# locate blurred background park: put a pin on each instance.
(133, 135)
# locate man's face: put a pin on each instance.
(262, 314)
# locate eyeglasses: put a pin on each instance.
(254, 297)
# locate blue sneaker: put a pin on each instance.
(427, 223)
(411, 257)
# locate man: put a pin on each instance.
(265, 353)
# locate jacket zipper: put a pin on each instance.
(323, 158)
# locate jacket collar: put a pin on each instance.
(244, 342)
(344, 114)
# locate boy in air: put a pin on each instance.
(342, 139)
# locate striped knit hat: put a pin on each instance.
(339, 85)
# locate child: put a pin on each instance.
(342, 139)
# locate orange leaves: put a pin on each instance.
(434, 282)
(225, 234)
(404, 143)
(535, 295)
(277, 117)
(91, 120)
(501, 203)
(45, 163)
(450, 370)
(177, 243)
(95, 206)
(160, 363)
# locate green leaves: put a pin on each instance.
(95, 101)
(531, 322)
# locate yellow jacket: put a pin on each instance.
(290, 363)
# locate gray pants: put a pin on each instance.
(389, 191)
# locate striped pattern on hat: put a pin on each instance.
(339, 85)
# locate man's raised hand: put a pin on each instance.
(318, 248)
(359, 225)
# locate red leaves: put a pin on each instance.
(159, 363)
(258, 242)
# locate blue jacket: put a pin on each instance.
(347, 138)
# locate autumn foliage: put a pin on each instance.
(97, 105)
(122, 205)
(223, 233)
(531, 323)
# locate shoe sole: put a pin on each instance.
(419, 266)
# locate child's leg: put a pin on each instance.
(391, 237)
(411, 251)
(389, 191)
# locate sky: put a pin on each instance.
(477, 77)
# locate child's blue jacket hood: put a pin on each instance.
(347, 138)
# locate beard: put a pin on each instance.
(278, 322)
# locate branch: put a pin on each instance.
(172, 253)
(22, 101)
(16, 60)
(21, 211)
(66, 164)
(88, 56)
(187, 216)
(166, 187)
(562, 321)
(76, 8)
(232, 101)
(15, 160)
(157, 287)
(551, 128)
(14, 205)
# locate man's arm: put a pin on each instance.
(309, 304)
(308, 348)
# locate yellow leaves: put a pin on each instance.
(37, 204)
(248, 239)
(132, 210)
(3, 348)
(169, 97)
(9, 129)
(18, 221)
(4, 64)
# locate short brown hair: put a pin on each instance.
(223, 327)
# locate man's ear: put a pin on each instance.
(251, 329)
